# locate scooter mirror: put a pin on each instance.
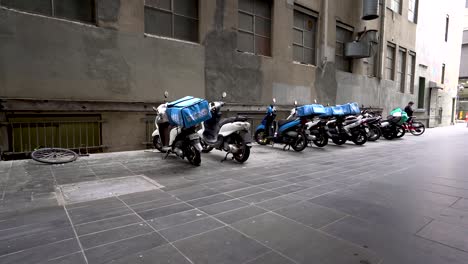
(274, 100)
(295, 102)
(315, 100)
(224, 95)
(155, 109)
(166, 94)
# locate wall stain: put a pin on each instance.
(226, 69)
(106, 63)
(325, 84)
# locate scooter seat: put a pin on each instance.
(283, 122)
(232, 120)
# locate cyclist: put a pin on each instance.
(409, 110)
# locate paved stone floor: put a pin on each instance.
(401, 201)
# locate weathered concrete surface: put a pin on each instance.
(340, 205)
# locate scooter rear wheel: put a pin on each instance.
(321, 140)
(206, 148)
(193, 156)
(301, 142)
(157, 143)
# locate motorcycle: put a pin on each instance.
(229, 134)
(391, 128)
(316, 132)
(341, 129)
(372, 122)
(181, 141)
(289, 132)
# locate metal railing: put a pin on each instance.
(25, 136)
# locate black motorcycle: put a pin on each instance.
(391, 128)
(342, 129)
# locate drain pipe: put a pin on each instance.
(324, 49)
(383, 4)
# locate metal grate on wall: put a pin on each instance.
(27, 133)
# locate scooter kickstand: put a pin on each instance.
(167, 155)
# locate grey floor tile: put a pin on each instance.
(76, 258)
(86, 215)
(165, 254)
(299, 179)
(222, 245)
(279, 202)
(106, 224)
(259, 181)
(461, 204)
(260, 197)
(141, 197)
(117, 250)
(393, 245)
(271, 258)
(239, 214)
(231, 187)
(176, 219)
(154, 204)
(197, 194)
(14, 242)
(290, 189)
(245, 191)
(273, 185)
(42, 253)
(190, 229)
(217, 198)
(165, 211)
(108, 236)
(301, 243)
(223, 207)
(447, 234)
(309, 214)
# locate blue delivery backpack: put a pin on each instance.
(337, 110)
(350, 109)
(328, 112)
(311, 109)
(188, 111)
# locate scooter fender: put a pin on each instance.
(155, 133)
(261, 126)
(195, 141)
(247, 137)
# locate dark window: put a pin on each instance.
(390, 62)
(304, 32)
(413, 10)
(422, 89)
(411, 69)
(401, 67)
(343, 35)
(254, 29)
(442, 80)
(447, 21)
(79, 10)
(172, 18)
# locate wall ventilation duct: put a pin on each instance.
(370, 9)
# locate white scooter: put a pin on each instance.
(184, 142)
(229, 134)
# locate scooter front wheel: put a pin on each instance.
(260, 137)
(300, 143)
(157, 143)
(193, 155)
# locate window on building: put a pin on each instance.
(79, 10)
(442, 80)
(343, 34)
(447, 20)
(422, 89)
(390, 62)
(395, 5)
(411, 69)
(413, 10)
(304, 32)
(254, 30)
(401, 67)
(172, 18)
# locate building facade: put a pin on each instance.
(462, 106)
(86, 73)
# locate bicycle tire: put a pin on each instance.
(54, 155)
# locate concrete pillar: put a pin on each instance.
(122, 15)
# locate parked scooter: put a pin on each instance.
(288, 131)
(342, 129)
(316, 131)
(372, 122)
(183, 142)
(229, 134)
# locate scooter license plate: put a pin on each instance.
(367, 129)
